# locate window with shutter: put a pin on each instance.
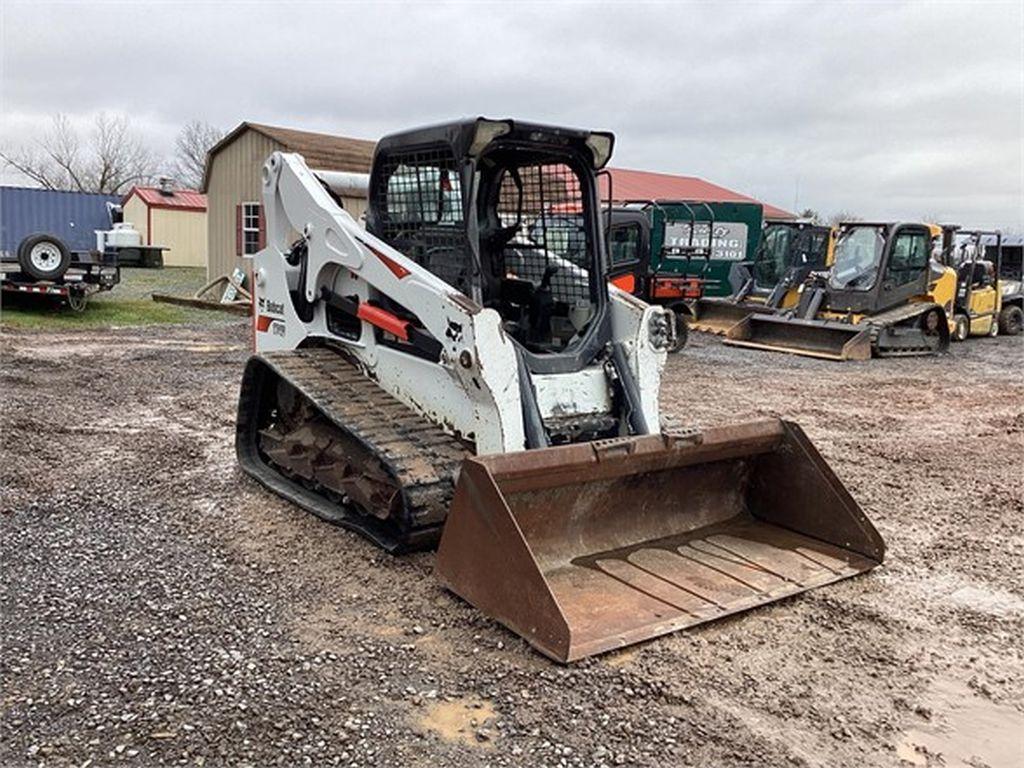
(251, 230)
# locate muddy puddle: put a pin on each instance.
(965, 731)
(62, 348)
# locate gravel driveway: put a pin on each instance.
(160, 608)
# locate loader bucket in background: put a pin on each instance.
(811, 338)
(586, 548)
(719, 315)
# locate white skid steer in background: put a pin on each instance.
(456, 368)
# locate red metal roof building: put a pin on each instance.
(630, 185)
(156, 197)
(173, 218)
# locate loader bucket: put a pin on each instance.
(586, 548)
(718, 316)
(813, 338)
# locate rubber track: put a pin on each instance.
(896, 316)
(423, 459)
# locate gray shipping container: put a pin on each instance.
(71, 216)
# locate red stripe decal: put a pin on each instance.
(397, 269)
(263, 323)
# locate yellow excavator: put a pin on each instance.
(883, 296)
(452, 376)
(788, 252)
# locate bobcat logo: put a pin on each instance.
(454, 331)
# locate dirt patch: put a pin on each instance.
(460, 721)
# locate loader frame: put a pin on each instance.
(450, 359)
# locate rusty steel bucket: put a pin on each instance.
(719, 315)
(586, 548)
(829, 340)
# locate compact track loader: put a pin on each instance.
(883, 296)
(786, 255)
(447, 375)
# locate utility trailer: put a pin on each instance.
(47, 244)
(673, 252)
(698, 240)
(86, 274)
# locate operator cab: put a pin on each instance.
(787, 245)
(859, 249)
(506, 213)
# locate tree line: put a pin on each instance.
(110, 157)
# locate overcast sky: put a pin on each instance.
(884, 110)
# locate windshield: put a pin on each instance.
(772, 256)
(857, 257)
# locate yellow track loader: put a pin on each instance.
(450, 376)
(883, 296)
(788, 252)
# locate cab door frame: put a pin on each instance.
(639, 268)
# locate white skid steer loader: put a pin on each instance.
(462, 371)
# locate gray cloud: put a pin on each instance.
(889, 110)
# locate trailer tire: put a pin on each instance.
(1011, 320)
(43, 257)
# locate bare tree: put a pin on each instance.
(193, 142)
(840, 216)
(811, 215)
(110, 159)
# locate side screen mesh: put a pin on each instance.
(421, 213)
(551, 248)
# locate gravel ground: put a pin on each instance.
(160, 608)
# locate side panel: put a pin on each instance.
(736, 235)
(631, 321)
(72, 216)
(184, 234)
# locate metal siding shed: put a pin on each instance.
(174, 218)
(232, 177)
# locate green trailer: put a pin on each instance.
(669, 252)
(661, 251)
(680, 245)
